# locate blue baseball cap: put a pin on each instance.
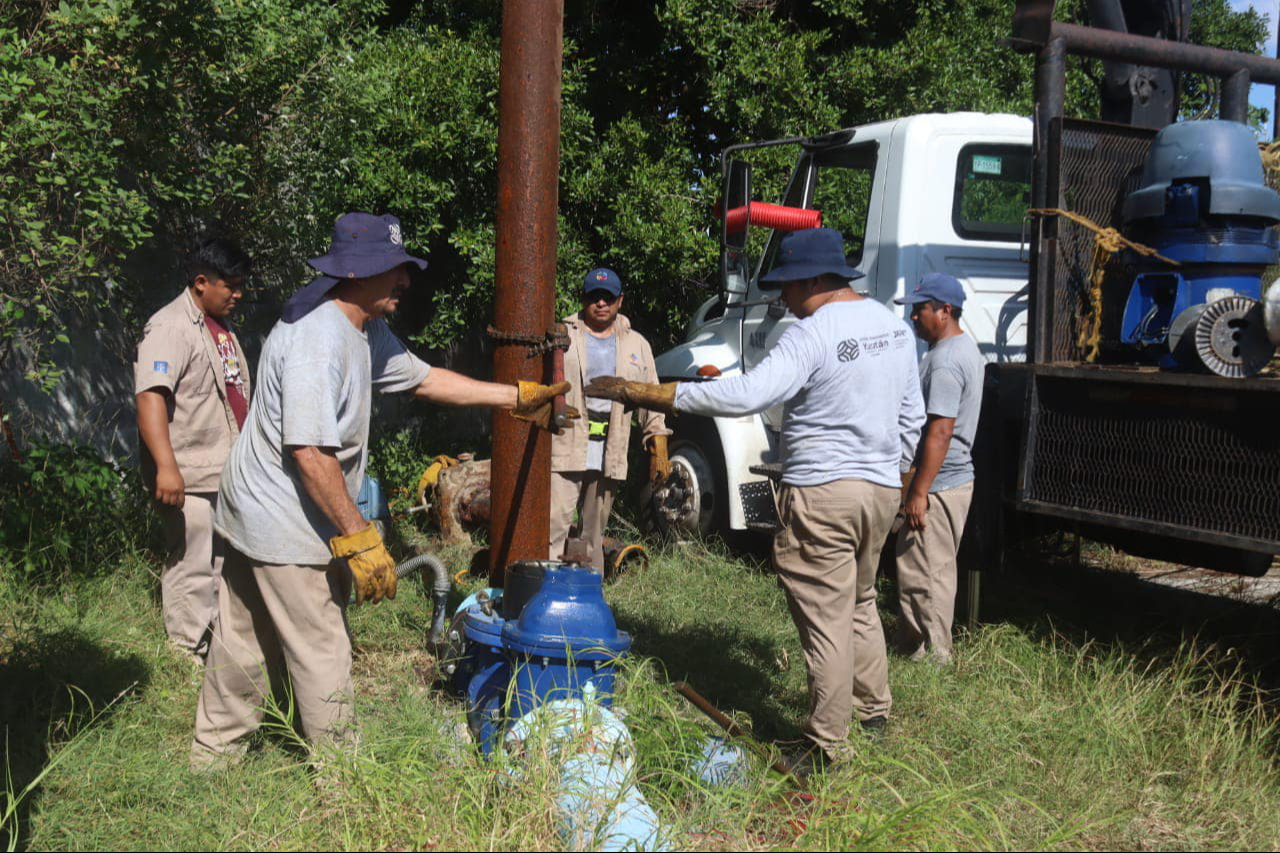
(602, 278)
(809, 253)
(938, 286)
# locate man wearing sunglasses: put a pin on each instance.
(589, 457)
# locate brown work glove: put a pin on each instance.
(533, 402)
(371, 566)
(642, 395)
(659, 463)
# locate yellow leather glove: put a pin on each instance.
(371, 566)
(659, 462)
(533, 402)
(643, 395)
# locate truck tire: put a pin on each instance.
(694, 502)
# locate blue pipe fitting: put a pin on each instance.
(565, 641)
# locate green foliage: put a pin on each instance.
(65, 510)
(133, 124)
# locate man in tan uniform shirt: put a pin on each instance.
(191, 382)
(589, 457)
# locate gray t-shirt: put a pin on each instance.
(602, 360)
(847, 374)
(951, 375)
(315, 381)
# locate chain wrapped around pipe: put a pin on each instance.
(555, 338)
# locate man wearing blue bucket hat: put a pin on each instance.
(296, 542)
(937, 501)
(847, 374)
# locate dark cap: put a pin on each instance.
(602, 278)
(937, 286)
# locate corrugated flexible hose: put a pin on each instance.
(440, 586)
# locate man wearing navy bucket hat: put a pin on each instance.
(937, 501)
(296, 542)
(847, 374)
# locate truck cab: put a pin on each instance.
(927, 193)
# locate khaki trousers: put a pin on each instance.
(826, 555)
(193, 564)
(927, 575)
(273, 619)
(589, 495)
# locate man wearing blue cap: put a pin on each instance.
(589, 457)
(847, 374)
(296, 541)
(937, 501)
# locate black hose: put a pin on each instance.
(440, 586)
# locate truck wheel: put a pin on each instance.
(693, 501)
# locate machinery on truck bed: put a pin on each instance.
(1126, 395)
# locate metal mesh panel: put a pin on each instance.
(1206, 459)
(1098, 165)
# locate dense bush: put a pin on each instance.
(65, 510)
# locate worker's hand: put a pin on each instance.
(643, 395)
(533, 402)
(170, 488)
(914, 511)
(659, 463)
(371, 566)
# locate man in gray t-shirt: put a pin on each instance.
(846, 370)
(296, 542)
(937, 500)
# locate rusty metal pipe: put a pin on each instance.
(524, 291)
(1145, 50)
(1234, 105)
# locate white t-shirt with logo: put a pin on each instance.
(848, 376)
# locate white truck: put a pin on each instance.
(926, 193)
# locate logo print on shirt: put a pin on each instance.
(847, 350)
(160, 366)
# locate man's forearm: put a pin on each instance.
(153, 428)
(933, 450)
(454, 389)
(322, 478)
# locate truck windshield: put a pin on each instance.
(841, 188)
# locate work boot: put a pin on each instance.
(804, 762)
(875, 728)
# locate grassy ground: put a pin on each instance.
(1029, 741)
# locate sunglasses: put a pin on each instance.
(600, 296)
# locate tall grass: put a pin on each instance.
(1028, 741)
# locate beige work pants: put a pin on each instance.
(589, 496)
(193, 564)
(826, 555)
(273, 619)
(927, 575)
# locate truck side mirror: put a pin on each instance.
(734, 224)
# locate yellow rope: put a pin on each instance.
(1106, 242)
(1270, 152)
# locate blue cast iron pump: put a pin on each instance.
(1204, 203)
(548, 636)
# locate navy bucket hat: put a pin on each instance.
(362, 245)
(810, 253)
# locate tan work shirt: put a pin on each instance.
(634, 360)
(177, 353)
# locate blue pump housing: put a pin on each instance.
(1204, 203)
(563, 643)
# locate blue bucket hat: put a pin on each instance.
(938, 286)
(362, 245)
(602, 278)
(809, 253)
